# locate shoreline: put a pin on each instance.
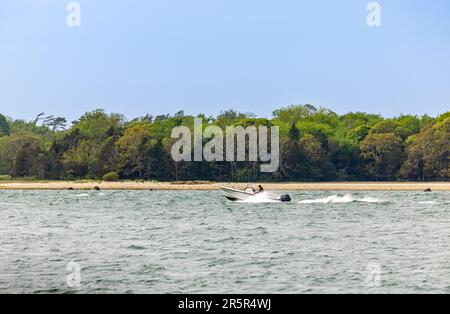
(211, 186)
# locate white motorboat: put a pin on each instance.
(248, 194)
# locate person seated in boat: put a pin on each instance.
(260, 189)
(250, 190)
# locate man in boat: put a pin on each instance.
(252, 190)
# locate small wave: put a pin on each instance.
(82, 195)
(369, 199)
(428, 202)
(336, 199)
(331, 199)
(136, 247)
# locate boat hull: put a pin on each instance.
(239, 195)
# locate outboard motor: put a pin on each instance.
(285, 198)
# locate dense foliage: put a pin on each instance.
(316, 145)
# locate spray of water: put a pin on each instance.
(263, 197)
(348, 198)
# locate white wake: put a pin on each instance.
(263, 197)
(336, 199)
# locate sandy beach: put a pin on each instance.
(207, 186)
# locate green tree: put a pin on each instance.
(317, 163)
(55, 123)
(294, 133)
(428, 153)
(5, 128)
(98, 125)
(387, 127)
(383, 155)
(19, 155)
(133, 148)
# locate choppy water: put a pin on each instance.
(198, 242)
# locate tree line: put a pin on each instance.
(316, 144)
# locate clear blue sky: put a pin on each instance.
(144, 56)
